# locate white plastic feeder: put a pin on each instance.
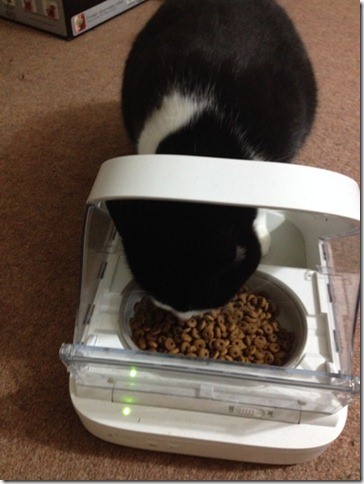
(244, 412)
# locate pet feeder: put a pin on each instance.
(238, 411)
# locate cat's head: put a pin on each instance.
(189, 257)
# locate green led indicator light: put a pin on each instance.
(126, 411)
(133, 373)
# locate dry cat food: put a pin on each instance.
(244, 330)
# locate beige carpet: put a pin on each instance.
(59, 120)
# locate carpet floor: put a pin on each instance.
(59, 120)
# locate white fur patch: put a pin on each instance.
(183, 316)
(261, 229)
(175, 112)
(178, 110)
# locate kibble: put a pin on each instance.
(244, 330)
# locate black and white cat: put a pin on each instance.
(216, 78)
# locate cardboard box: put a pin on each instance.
(65, 18)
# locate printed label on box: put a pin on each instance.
(44, 14)
(100, 13)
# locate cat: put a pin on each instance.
(213, 78)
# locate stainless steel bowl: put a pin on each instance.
(290, 311)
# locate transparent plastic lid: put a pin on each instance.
(316, 284)
(341, 263)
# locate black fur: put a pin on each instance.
(246, 55)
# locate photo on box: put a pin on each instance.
(79, 22)
(50, 9)
(29, 6)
